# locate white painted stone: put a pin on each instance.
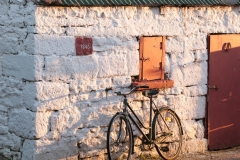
(28, 44)
(30, 19)
(104, 83)
(27, 124)
(11, 95)
(160, 101)
(189, 129)
(195, 145)
(66, 149)
(200, 130)
(79, 67)
(29, 149)
(104, 44)
(101, 44)
(3, 130)
(137, 96)
(175, 44)
(196, 42)
(54, 45)
(45, 96)
(12, 41)
(3, 118)
(182, 58)
(52, 105)
(167, 67)
(195, 90)
(49, 90)
(66, 121)
(94, 154)
(92, 140)
(4, 3)
(188, 107)
(112, 64)
(23, 67)
(86, 85)
(6, 152)
(3, 141)
(13, 100)
(14, 142)
(130, 44)
(13, 32)
(133, 63)
(97, 96)
(3, 108)
(122, 81)
(177, 75)
(16, 18)
(195, 73)
(100, 113)
(201, 55)
(174, 90)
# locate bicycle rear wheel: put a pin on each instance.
(167, 133)
(119, 138)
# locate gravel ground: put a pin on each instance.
(226, 154)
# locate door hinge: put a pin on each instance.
(160, 45)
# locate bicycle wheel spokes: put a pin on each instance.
(168, 134)
(119, 138)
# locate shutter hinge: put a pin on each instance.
(160, 45)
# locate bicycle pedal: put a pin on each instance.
(165, 149)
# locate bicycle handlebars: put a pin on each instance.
(124, 94)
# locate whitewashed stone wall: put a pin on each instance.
(54, 104)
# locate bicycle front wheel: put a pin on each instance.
(167, 133)
(119, 138)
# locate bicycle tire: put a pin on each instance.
(167, 133)
(119, 138)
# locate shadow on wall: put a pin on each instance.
(78, 130)
(223, 93)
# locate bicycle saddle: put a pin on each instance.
(150, 93)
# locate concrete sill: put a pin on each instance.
(155, 84)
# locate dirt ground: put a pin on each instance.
(227, 154)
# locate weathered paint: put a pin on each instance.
(223, 92)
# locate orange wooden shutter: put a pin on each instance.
(152, 52)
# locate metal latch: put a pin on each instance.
(213, 87)
(144, 59)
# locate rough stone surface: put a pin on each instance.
(27, 124)
(57, 45)
(23, 67)
(66, 68)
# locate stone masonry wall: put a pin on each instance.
(54, 104)
(16, 17)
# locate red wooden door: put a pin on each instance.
(224, 91)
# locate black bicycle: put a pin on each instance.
(164, 130)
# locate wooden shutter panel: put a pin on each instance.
(152, 53)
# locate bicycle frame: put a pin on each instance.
(126, 105)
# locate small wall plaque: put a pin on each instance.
(83, 46)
